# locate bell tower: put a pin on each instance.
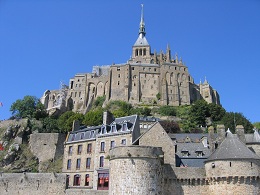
(141, 48)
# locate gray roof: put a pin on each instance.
(232, 149)
(181, 137)
(253, 138)
(89, 133)
(141, 41)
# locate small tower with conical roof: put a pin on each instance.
(232, 168)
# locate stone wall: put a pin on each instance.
(136, 170)
(86, 192)
(32, 183)
(47, 146)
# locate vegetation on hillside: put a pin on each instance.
(189, 118)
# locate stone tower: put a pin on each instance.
(136, 170)
(233, 168)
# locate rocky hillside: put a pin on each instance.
(15, 153)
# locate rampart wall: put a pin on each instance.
(32, 183)
(47, 146)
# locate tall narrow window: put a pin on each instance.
(76, 181)
(87, 180)
(70, 151)
(88, 163)
(89, 148)
(91, 135)
(113, 128)
(102, 146)
(78, 164)
(124, 128)
(82, 135)
(69, 164)
(101, 161)
(79, 149)
(112, 144)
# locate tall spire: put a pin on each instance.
(142, 25)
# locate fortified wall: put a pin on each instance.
(47, 146)
(32, 183)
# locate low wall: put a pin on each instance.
(86, 192)
(32, 183)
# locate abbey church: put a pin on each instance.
(146, 78)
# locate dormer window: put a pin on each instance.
(103, 130)
(113, 128)
(82, 135)
(124, 127)
(199, 153)
(73, 137)
(91, 135)
(185, 153)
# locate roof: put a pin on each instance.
(141, 41)
(253, 138)
(120, 125)
(232, 149)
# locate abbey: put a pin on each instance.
(146, 78)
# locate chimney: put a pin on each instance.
(108, 118)
(76, 125)
(211, 138)
(221, 133)
(241, 133)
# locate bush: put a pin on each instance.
(167, 111)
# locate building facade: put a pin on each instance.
(146, 78)
(86, 151)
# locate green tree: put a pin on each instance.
(232, 119)
(216, 111)
(198, 112)
(257, 125)
(94, 117)
(49, 125)
(63, 123)
(29, 106)
(99, 101)
(167, 111)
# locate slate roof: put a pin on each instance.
(89, 133)
(231, 149)
(141, 41)
(253, 138)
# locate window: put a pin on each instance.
(154, 69)
(79, 94)
(89, 148)
(199, 153)
(78, 164)
(79, 149)
(118, 68)
(103, 181)
(70, 151)
(112, 144)
(123, 142)
(76, 181)
(75, 94)
(87, 180)
(144, 52)
(103, 130)
(91, 135)
(124, 128)
(118, 82)
(118, 75)
(133, 68)
(69, 164)
(82, 135)
(102, 147)
(88, 163)
(113, 128)
(185, 153)
(101, 161)
(73, 137)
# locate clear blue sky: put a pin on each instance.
(47, 41)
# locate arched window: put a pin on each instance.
(136, 52)
(140, 52)
(144, 52)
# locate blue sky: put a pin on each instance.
(45, 42)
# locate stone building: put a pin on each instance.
(146, 78)
(86, 151)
